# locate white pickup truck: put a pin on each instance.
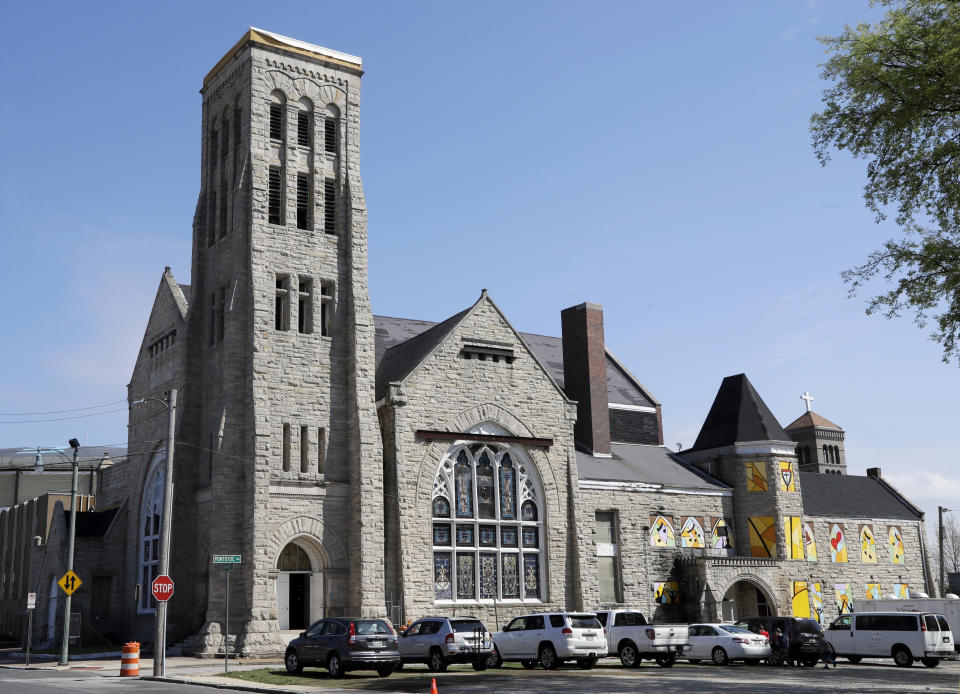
(630, 637)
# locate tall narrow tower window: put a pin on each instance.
(277, 102)
(321, 448)
(221, 313)
(330, 206)
(303, 201)
(275, 197)
(236, 127)
(281, 317)
(304, 449)
(214, 141)
(305, 123)
(223, 206)
(286, 447)
(212, 332)
(305, 306)
(212, 217)
(331, 125)
(326, 308)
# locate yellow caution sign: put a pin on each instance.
(69, 582)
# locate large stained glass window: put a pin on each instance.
(151, 510)
(496, 527)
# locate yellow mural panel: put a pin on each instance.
(722, 535)
(691, 534)
(810, 542)
(756, 477)
(844, 597)
(816, 597)
(895, 545)
(793, 536)
(868, 545)
(872, 591)
(838, 545)
(800, 599)
(787, 476)
(763, 536)
(666, 592)
(661, 532)
(901, 591)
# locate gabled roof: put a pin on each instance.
(647, 464)
(738, 415)
(852, 496)
(809, 420)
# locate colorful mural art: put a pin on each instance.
(691, 535)
(722, 535)
(901, 591)
(788, 476)
(800, 599)
(665, 592)
(871, 591)
(816, 599)
(793, 536)
(868, 545)
(809, 542)
(756, 477)
(838, 545)
(763, 536)
(661, 532)
(895, 545)
(843, 596)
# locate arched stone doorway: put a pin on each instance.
(300, 585)
(746, 599)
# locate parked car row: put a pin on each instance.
(549, 639)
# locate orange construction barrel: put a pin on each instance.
(130, 659)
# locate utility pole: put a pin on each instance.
(943, 591)
(166, 520)
(160, 643)
(65, 644)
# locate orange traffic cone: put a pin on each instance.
(433, 686)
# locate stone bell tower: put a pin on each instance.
(284, 447)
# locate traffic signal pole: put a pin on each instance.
(166, 519)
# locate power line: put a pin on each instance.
(76, 409)
(60, 419)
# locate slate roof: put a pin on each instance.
(811, 419)
(92, 523)
(738, 414)
(853, 496)
(647, 464)
(402, 343)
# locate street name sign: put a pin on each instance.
(31, 600)
(226, 558)
(162, 588)
(69, 582)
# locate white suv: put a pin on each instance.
(549, 639)
(441, 641)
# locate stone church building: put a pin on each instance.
(373, 465)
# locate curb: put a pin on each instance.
(219, 685)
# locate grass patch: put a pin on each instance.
(416, 677)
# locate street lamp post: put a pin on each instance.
(65, 644)
(941, 510)
(160, 624)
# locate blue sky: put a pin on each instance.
(654, 158)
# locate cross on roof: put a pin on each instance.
(809, 398)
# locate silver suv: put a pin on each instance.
(441, 641)
(549, 639)
(343, 644)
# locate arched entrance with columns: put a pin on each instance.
(747, 598)
(300, 584)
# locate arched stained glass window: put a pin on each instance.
(151, 509)
(494, 550)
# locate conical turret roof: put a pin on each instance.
(738, 414)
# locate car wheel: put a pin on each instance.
(398, 667)
(436, 662)
(548, 657)
(854, 659)
(292, 661)
(629, 656)
(719, 656)
(930, 662)
(666, 660)
(481, 665)
(693, 661)
(495, 661)
(587, 663)
(809, 660)
(902, 657)
(335, 665)
(385, 670)
(528, 664)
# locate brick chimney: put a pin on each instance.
(873, 473)
(585, 374)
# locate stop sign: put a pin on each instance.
(162, 588)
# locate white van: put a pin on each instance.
(902, 636)
(949, 607)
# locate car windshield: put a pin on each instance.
(808, 626)
(372, 626)
(734, 629)
(467, 625)
(584, 621)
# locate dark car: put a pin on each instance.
(341, 644)
(807, 644)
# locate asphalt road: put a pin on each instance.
(879, 677)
